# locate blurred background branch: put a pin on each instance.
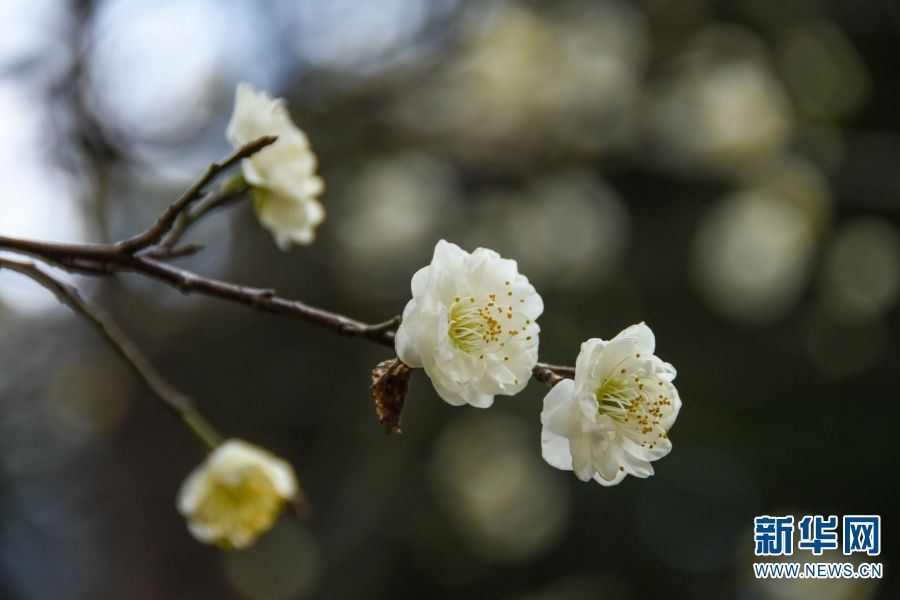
(174, 400)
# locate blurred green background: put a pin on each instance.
(728, 171)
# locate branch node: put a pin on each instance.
(186, 282)
(260, 297)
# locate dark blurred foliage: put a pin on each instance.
(726, 171)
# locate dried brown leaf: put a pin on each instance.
(390, 383)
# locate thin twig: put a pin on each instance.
(189, 218)
(156, 231)
(391, 324)
(174, 400)
(162, 253)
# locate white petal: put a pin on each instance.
(645, 453)
(464, 395)
(558, 404)
(607, 461)
(619, 476)
(582, 461)
(448, 256)
(640, 337)
(247, 104)
(555, 450)
(420, 281)
(663, 370)
(289, 221)
(533, 305)
(191, 490)
(284, 479)
(405, 349)
(590, 355)
(481, 400)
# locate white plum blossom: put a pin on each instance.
(614, 418)
(471, 324)
(236, 494)
(282, 176)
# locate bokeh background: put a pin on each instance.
(728, 171)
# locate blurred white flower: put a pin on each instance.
(753, 254)
(236, 494)
(283, 175)
(379, 249)
(471, 325)
(614, 418)
(721, 109)
(506, 505)
(541, 81)
(578, 228)
(862, 268)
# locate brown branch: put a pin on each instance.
(94, 260)
(546, 374)
(559, 369)
(168, 253)
(165, 222)
(187, 219)
(264, 299)
(174, 400)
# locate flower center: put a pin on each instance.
(636, 402)
(484, 326)
(245, 507)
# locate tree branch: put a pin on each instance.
(547, 375)
(99, 260)
(156, 231)
(166, 247)
(559, 369)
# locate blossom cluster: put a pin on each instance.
(471, 325)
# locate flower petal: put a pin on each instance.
(558, 404)
(288, 220)
(555, 450)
